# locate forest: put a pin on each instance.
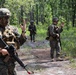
(42, 11)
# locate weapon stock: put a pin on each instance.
(11, 51)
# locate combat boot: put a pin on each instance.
(52, 60)
(59, 59)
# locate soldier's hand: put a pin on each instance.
(57, 35)
(23, 27)
(62, 24)
(4, 51)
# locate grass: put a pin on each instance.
(72, 63)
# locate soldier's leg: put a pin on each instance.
(11, 69)
(33, 37)
(3, 68)
(52, 53)
(52, 45)
(58, 49)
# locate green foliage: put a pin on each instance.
(41, 31)
(68, 39)
(44, 11)
(72, 63)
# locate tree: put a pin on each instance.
(2, 3)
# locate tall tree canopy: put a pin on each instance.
(41, 10)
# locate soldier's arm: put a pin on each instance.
(4, 51)
(61, 27)
(22, 37)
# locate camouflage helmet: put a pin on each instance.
(55, 19)
(4, 12)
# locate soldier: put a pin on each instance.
(10, 36)
(54, 38)
(32, 29)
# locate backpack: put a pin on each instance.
(49, 37)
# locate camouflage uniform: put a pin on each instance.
(10, 36)
(10, 64)
(53, 30)
(32, 29)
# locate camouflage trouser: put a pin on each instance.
(7, 69)
(3, 68)
(11, 67)
(55, 45)
(32, 37)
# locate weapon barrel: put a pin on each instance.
(19, 61)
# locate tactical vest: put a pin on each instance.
(49, 36)
(10, 38)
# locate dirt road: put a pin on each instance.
(39, 61)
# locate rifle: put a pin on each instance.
(11, 50)
(58, 38)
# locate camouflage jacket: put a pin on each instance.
(32, 29)
(53, 30)
(11, 36)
